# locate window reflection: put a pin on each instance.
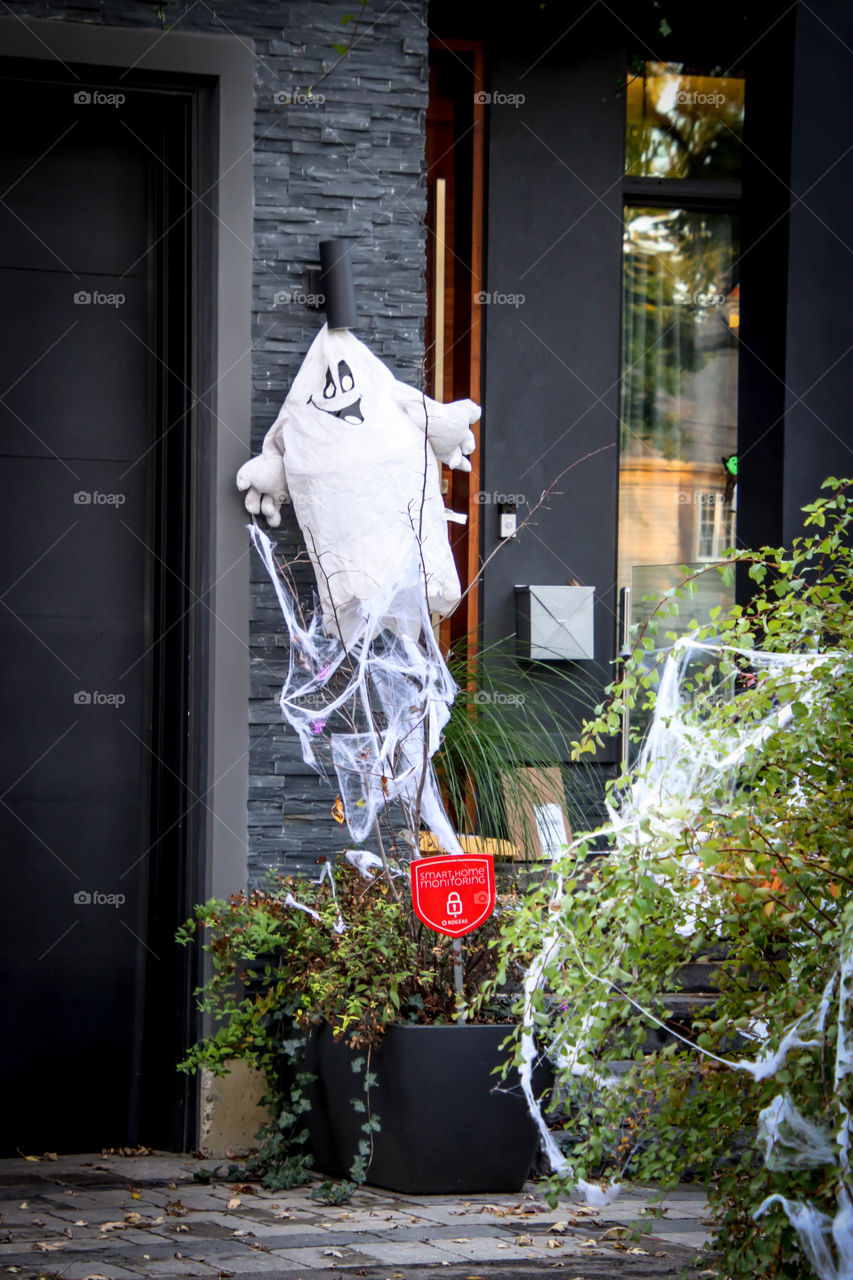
(683, 125)
(680, 315)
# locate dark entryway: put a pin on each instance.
(103, 518)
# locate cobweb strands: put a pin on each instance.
(692, 761)
(389, 683)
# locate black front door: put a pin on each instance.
(96, 434)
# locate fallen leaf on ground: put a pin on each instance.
(559, 1228)
(554, 1244)
(333, 1253)
(461, 1240)
(233, 1203)
(522, 1240)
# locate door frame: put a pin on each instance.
(218, 70)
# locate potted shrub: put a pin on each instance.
(351, 1014)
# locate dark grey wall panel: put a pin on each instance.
(551, 383)
(819, 366)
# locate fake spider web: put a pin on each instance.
(680, 764)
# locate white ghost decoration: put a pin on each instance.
(357, 452)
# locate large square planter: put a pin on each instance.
(449, 1124)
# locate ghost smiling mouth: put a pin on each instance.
(350, 413)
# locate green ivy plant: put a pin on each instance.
(751, 873)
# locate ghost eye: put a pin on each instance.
(330, 388)
(345, 376)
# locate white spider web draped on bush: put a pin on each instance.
(396, 692)
(679, 766)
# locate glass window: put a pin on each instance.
(680, 312)
(683, 124)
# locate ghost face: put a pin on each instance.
(338, 397)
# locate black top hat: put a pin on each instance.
(336, 284)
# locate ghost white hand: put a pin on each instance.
(458, 460)
(264, 481)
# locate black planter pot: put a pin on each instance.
(448, 1123)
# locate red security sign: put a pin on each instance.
(454, 894)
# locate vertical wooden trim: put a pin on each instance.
(438, 291)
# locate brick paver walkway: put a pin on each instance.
(148, 1216)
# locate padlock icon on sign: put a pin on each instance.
(454, 905)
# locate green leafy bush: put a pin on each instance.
(734, 846)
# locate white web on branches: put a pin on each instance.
(680, 766)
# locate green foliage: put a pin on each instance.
(752, 871)
(507, 716)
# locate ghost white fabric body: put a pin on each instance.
(357, 452)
